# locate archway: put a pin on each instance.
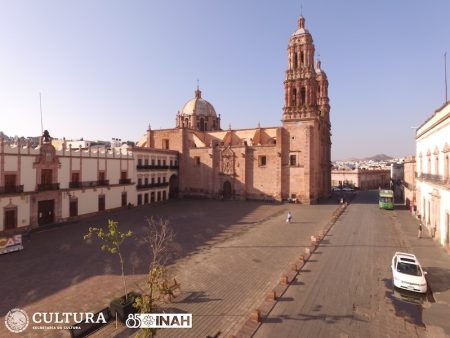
(226, 190)
(173, 186)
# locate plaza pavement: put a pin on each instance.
(229, 254)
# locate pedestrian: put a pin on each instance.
(419, 230)
(289, 217)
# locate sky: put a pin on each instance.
(108, 69)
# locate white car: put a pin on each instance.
(407, 273)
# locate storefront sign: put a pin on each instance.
(10, 244)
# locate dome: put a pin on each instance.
(198, 106)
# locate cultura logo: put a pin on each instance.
(16, 320)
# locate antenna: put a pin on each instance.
(40, 106)
(301, 8)
(445, 70)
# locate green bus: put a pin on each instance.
(386, 200)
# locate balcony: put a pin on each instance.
(47, 187)
(152, 185)
(11, 189)
(174, 166)
(125, 181)
(435, 179)
(88, 184)
(151, 167)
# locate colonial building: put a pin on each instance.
(361, 178)
(43, 185)
(433, 172)
(409, 183)
(290, 161)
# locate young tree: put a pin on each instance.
(112, 240)
(159, 237)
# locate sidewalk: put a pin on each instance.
(436, 262)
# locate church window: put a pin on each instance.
(186, 122)
(165, 143)
(303, 95)
(197, 161)
(293, 160)
(295, 60)
(302, 58)
(202, 124)
(294, 97)
(262, 160)
(139, 161)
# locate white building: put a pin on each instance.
(432, 165)
(43, 185)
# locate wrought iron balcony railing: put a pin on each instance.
(49, 186)
(152, 185)
(11, 189)
(432, 178)
(151, 167)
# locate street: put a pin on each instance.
(346, 288)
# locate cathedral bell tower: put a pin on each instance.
(306, 122)
(306, 87)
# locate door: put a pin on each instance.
(101, 202)
(145, 198)
(46, 212)
(173, 186)
(73, 208)
(227, 190)
(10, 219)
(124, 199)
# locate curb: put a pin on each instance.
(289, 275)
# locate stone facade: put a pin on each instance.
(360, 178)
(433, 174)
(45, 185)
(290, 161)
(409, 183)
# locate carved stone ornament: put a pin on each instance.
(227, 162)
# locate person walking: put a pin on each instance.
(419, 230)
(289, 217)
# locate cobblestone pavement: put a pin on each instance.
(229, 254)
(346, 289)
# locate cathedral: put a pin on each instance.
(278, 163)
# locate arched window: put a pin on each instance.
(295, 60)
(303, 95)
(293, 97)
(436, 165)
(186, 122)
(302, 58)
(202, 124)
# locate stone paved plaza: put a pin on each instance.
(229, 254)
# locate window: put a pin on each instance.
(153, 162)
(146, 198)
(165, 144)
(159, 163)
(303, 95)
(10, 180)
(262, 161)
(123, 175)
(294, 97)
(164, 197)
(139, 201)
(159, 196)
(197, 161)
(295, 60)
(75, 177)
(293, 160)
(164, 162)
(124, 199)
(139, 161)
(164, 179)
(146, 161)
(139, 181)
(101, 175)
(146, 181)
(46, 176)
(159, 179)
(153, 180)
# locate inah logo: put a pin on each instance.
(16, 320)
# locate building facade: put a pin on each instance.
(44, 185)
(432, 175)
(409, 182)
(361, 178)
(289, 161)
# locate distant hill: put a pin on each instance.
(378, 157)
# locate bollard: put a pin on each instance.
(271, 295)
(294, 267)
(256, 316)
(284, 280)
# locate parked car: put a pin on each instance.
(335, 189)
(347, 189)
(407, 273)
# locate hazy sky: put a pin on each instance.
(109, 68)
